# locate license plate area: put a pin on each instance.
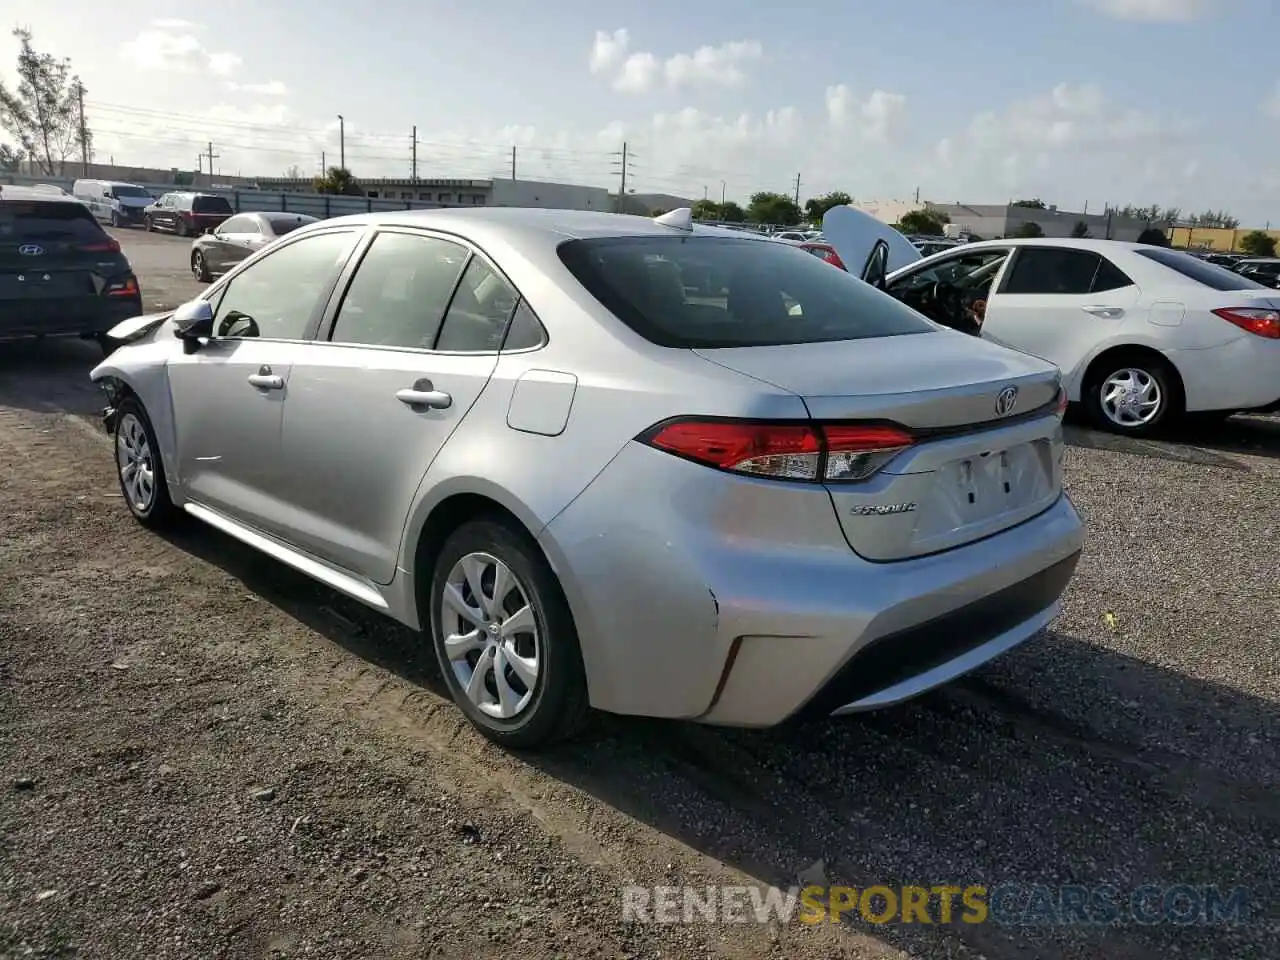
(986, 491)
(44, 284)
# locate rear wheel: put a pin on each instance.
(504, 636)
(1134, 395)
(200, 267)
(139, 467)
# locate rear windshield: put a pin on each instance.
(1210, 274)
(284, 223)
(724, 292)
(59, 220)
(127, 191)
(211, 205)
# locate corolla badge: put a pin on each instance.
(31, 250)
(1006, 399)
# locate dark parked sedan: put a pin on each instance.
(220, 248)
(60, 274)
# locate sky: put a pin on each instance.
(1171, 102)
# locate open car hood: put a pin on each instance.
(854, 235)
(135, 328)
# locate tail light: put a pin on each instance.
(1258, 321)
(825, 453)
(1062, 402)
(833, 258)
(125, 288)
(106, 245)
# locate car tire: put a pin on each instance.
(136, 448)
(200, 267)
(180, 228)
(149, 224)
(531, 687)
(1149, 380)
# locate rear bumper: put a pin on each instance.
(86, 316)
(1243, 374)
(699, 595)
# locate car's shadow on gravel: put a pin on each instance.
(1064, 763)
(50, 376)
(1224, 444)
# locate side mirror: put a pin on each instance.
(210, 230)
(192, 322)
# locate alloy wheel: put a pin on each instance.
(197, 265)
(137, 470)
(1131, 397)
(491, 637)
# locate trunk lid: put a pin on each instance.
(980, 464)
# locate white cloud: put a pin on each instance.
(641, 71)
(273, 88)
(877, 118)
(1153, 11)
(224, 63)
(716, 66)
(608, 50)
(170, 45)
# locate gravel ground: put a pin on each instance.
(205, 755)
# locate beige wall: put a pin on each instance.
(1211, 238)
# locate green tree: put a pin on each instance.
(1258, 244)
(815, 208)
(706, 210)
(776, 208)
(1153, 236)
(927, 223)
(338, 180)
(1029, 229)
(42, 111)
(730, 212)
(1080, 230)
(9, 158)
(1036, 204)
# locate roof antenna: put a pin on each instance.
(681, 219)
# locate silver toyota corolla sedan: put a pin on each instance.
(635, 464)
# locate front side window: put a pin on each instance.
(238, 225)
(277, 297)
(479, 311)
(970, 270)
(705, 291)
(400, 292)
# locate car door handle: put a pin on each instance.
(266, 381)
(437, 399)
(1109, 313)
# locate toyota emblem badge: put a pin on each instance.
(1006, 399)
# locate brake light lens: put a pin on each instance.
(125, 288)
(101, 246)
(1260, 322)
(1062, 402)
(826, 453)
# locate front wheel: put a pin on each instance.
(504, 637)
(1134, 396)
(149, 224)
(139, 467)
(200, 267)
(181, 228)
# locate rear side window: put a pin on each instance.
(211, 205)
(1219, 278)
(1058, 270)
(479, 311)
(700, 291)
(288, 222)
(32, 220)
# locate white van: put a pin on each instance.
(112, 201)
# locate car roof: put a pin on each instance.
(10, 192)
(1072, 243)
(535, 224)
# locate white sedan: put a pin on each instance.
(1142, 334)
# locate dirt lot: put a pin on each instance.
(207, 756)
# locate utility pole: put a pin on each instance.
(84, 132)
(212, 156)
(513, 163)
(623, 168)
(797, 189)
(199, 163)
(324, 169)
(917, 196)
(414, 175)
(342, 142)
(704, 193)
(722, 189)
